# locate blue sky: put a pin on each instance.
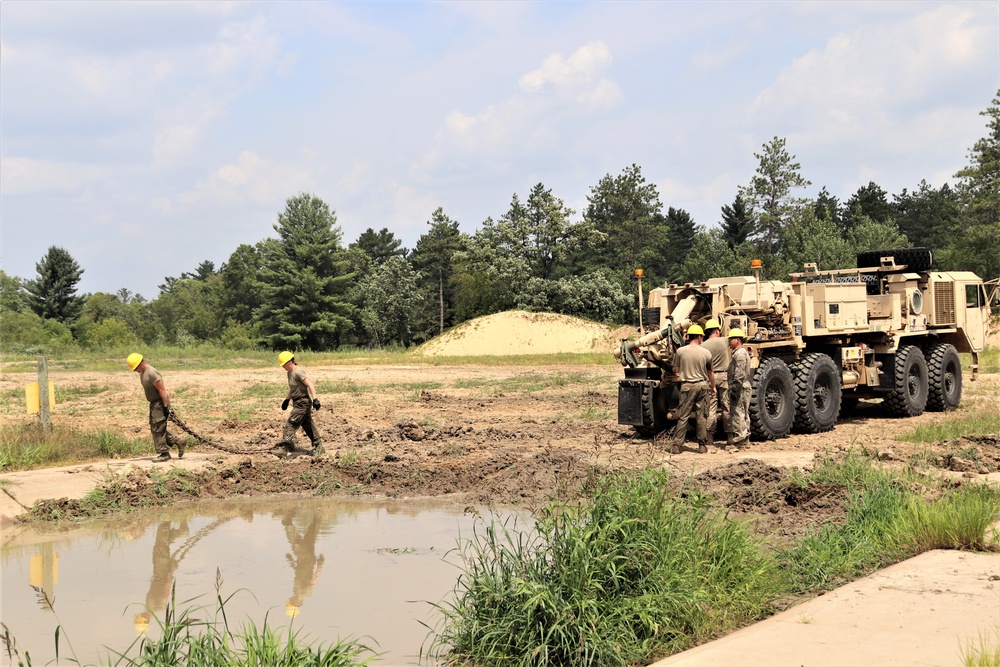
(146, 137)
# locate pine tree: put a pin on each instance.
(52, 295)
(770, 193)
(380, 245)
(304, 278)
(432, 257)
(681, 231)
(737, 222)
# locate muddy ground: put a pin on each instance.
(498, 435)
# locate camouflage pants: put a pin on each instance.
(719, 406)
(301, 416)
(739, 412)
(162, 440)
(694, 401)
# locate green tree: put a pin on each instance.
(870, 201)
(239, 289)
(827, 207)
(305, 279)
(489, 274)
(681, 232)
(770, 193)
(13, 298)
(712, 256)
(625, 228)
(379, 246)
(52, 295)
(385, 317)
(737, 222)
(868, 234)
(24, 332)
(433, 258)
(929, 217)
(809, 239)
(979, 183)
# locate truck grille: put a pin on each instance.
(944, 303)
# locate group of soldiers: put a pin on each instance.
(301, 397)
(714, 377)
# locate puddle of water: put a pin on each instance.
(330, 568)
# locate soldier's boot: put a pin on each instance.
(318, 448)
(729, 440)
(282, 449)
(160, 458)
(181, 447)
(675, 448)
(702, 448)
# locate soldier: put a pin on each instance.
(159, 407)
(693, 365)
(739, 390)
(719, 406)
(302, 396)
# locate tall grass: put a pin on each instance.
(28, 446)
(647, 566)
(636, 572)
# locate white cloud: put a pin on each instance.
(529, 121)
(250, 179)
(21, 176)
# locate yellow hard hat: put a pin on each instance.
(695, 330)
(736, 333)
(712, 324)
(291, 610)
(133, 360)
(141, 622)
(285, 357)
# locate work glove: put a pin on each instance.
(284, 404)
(166, 411)
(315, 404)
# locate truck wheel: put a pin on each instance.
(653, 419)
(944, 373)
(909, 395)
(915, 259)
(817, 392)
(772, 400)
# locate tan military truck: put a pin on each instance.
(891, 328)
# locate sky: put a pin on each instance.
(148, 137)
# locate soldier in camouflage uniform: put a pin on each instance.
(739, 390)
(159, 407)
(693, 365)
(719, 405)
(302, 397)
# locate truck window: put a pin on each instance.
(972, 296)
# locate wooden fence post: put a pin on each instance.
(44, 416)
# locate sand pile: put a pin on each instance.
(520, 332)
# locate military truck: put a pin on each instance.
(891, 328)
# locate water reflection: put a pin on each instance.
(378, 558)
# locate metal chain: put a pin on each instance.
(205, 441)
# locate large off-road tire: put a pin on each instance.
(908, 397)
(915, 259)
(653, 418)
(772, 400)
(817, 392)
(944, 377)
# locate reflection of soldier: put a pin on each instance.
(306, 565)
(164, 566)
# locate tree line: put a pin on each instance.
(305, 289)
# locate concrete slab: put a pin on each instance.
(922, 611)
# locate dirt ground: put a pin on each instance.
(491, 435)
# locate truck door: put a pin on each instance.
(976, 315)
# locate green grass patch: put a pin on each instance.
(956, 425)
(265, 390)
(347, 386)
(984, 651)
(75, 392)
(28, 446)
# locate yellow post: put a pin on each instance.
(31, 399)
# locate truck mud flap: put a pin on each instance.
(630, 395)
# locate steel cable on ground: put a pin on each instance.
(205, 441)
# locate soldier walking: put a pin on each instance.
(302, 396)
(693, 365)
(739, 390)
(719, 405)
(159, 407)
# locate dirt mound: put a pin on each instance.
(518, 332)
